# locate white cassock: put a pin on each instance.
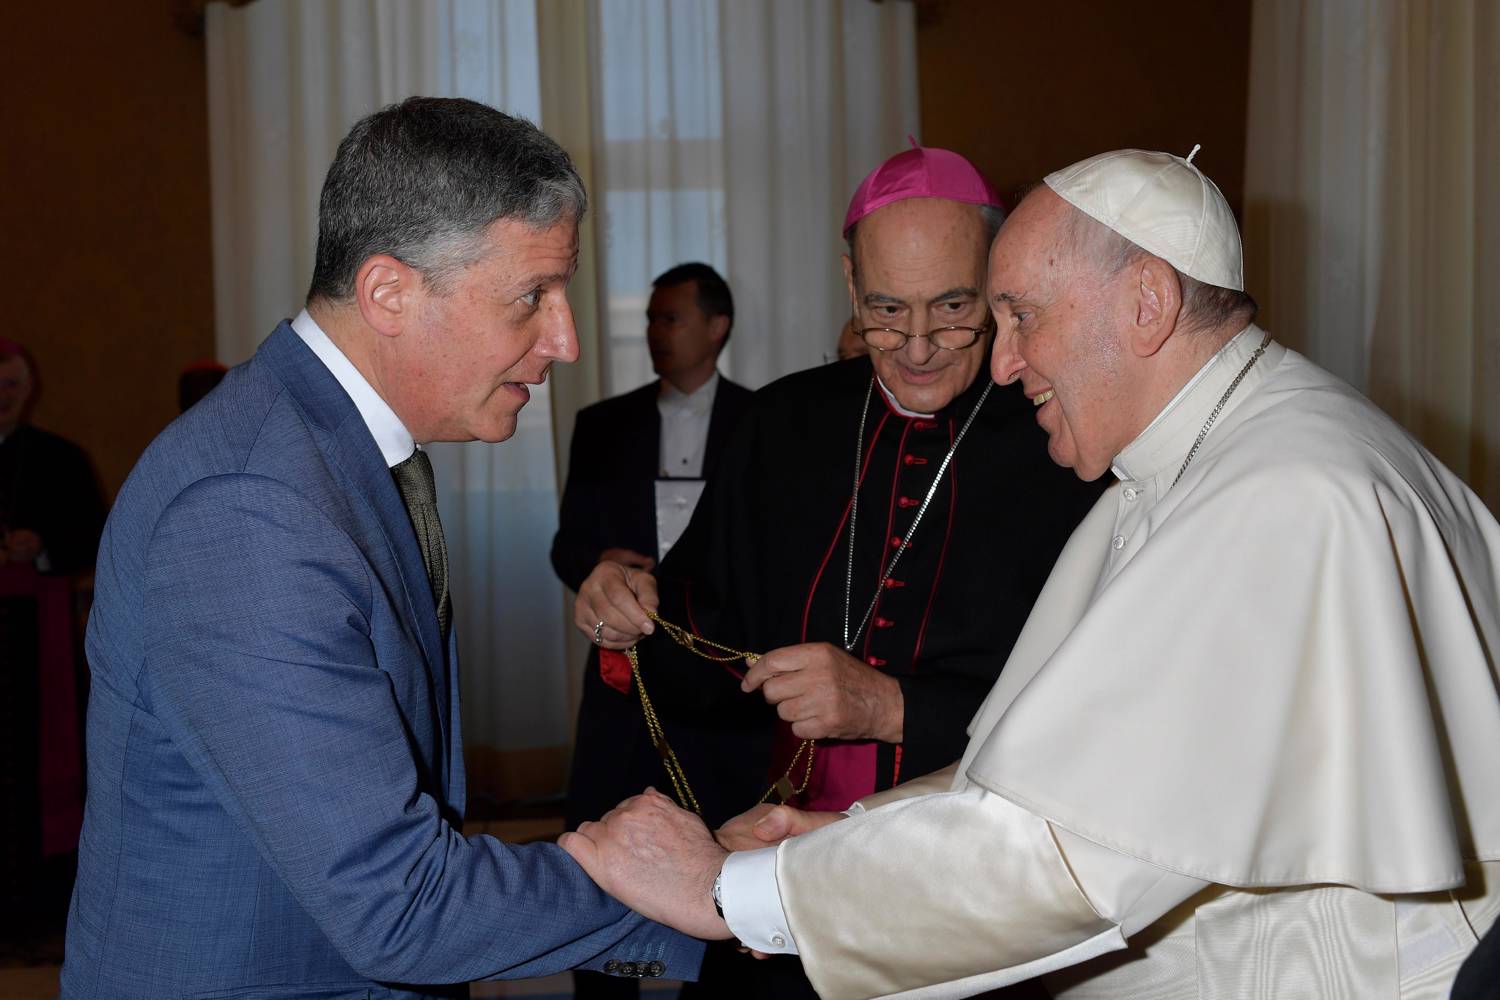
(1247, 745)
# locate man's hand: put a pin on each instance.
(619, 596)
(767, 825)
(824, 692)
(657, 859)
(21, 545)
(628, 557)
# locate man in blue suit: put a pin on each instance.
(276, 780)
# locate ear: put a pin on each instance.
(387, 292)
(1158, 302)
(849, 282)
(718, 329)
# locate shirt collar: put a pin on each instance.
(890, 399)
(700, 400)
(390, 434)
(1165, 442)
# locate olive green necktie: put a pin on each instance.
(419, 493)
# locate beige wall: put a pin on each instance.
(106, 216)
(1025, 88)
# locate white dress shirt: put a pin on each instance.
(684, 428)
(395, 441)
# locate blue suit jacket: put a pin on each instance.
(276, 780)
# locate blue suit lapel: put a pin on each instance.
(352, 451)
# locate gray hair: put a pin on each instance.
(424, 179)
(990, 216)
(1204, 306)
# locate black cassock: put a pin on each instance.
(764, 564)
(47, 485)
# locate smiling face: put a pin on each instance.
(1060, 326)
(920, 267)
(461, 366)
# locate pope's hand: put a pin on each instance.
(619, 596)
(824, 692)
(657, 859)
(767, 825)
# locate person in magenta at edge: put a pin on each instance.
(1245, 744)
(859, 597)
(276, 774)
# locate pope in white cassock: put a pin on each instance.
(1248, 743)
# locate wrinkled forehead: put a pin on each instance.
(919, 242)
(1032, 241)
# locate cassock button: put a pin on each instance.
(883, 622)
(895, 541)
(913, 459)
(893, 584)
(778, 941)
(904, 502)
(1117, 543)
(923, 425)
(1131, 494)
(873, 661)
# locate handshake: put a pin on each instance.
(661, 860)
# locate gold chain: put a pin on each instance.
(783, 788)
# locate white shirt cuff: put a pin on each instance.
(752, 902)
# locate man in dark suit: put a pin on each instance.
(634, 468)
(276, 778)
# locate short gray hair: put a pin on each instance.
(1204, 306)
(424, 179)
(992, 217)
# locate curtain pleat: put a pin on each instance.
(1371, 212)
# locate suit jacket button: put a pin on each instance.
(655, 969)
(613, 965)
(630, 969)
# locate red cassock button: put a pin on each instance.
(883, 622)
(874, 661)
(904, 502)
(913, 460)
(923, 425)
(893, 584)
(895, 541)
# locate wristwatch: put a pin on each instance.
(718, 894)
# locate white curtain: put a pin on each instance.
(286, 80)
(1372, 212)
(734, 133)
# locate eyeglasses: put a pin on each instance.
(947, 338)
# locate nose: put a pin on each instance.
(919, 349)
(1006, 363)
(560, 343)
